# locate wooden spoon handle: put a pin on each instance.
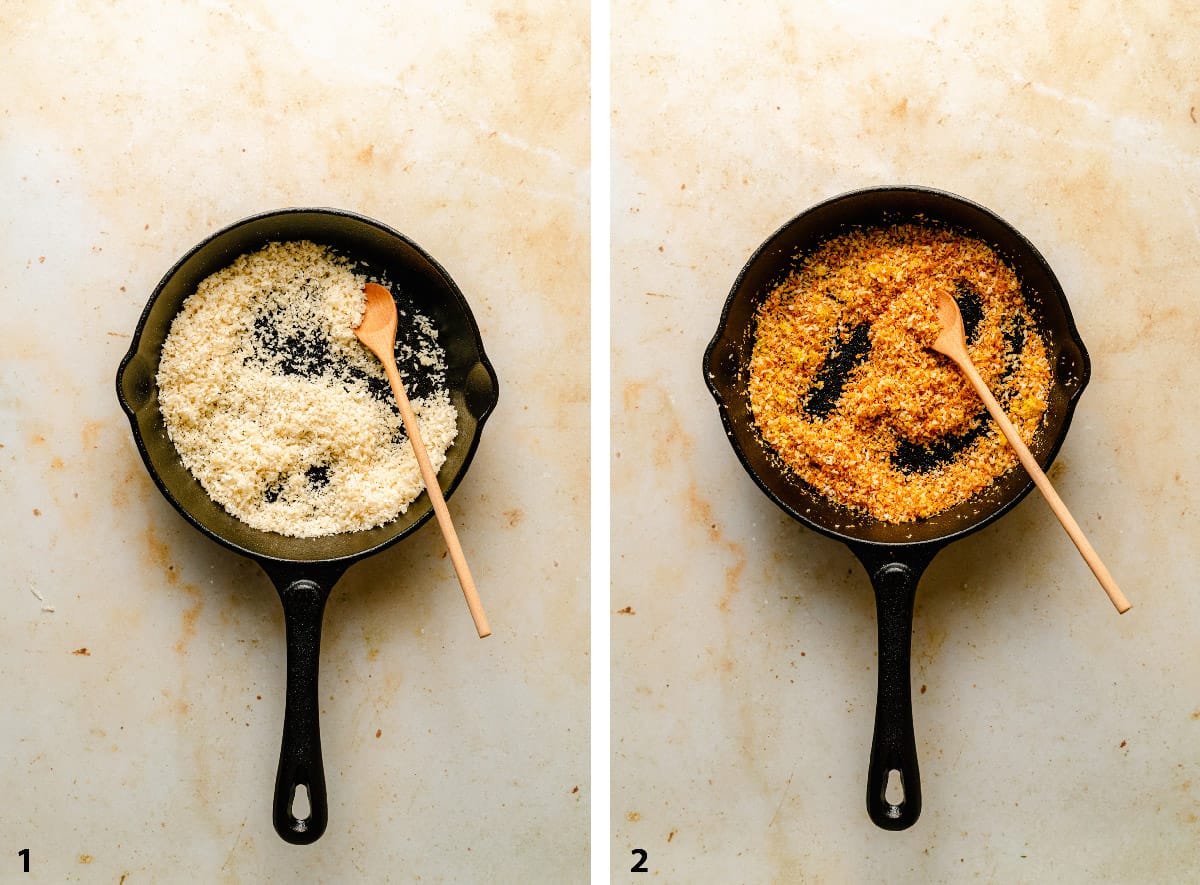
(439, 503)
(1039, 477)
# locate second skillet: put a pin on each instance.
(894, 555)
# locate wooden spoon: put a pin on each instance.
(952, 342)
(377, 331)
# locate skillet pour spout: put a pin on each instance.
(894, 555)
(304, 570)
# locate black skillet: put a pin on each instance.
(894, 555)
(304, 570)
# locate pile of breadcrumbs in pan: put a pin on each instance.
(846, 390)
(278, 410)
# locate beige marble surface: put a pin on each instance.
(129, 131)
(1058, 741)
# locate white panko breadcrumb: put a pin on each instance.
(292, 440)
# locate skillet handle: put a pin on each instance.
(300, 754)
(893, 748)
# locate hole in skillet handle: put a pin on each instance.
(893, 790)
(301, 809)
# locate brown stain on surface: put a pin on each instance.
(513, 517)
(513, 24)
(701, 512)
(159, 555)
(190, 616)
(733, 576)
(135, 480)
(178, 706)
(674, 446)
(631, 394)
(158, 552)
(935, 639)
(82, 652)
(89, 434)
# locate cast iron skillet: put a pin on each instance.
(304, 570)
(894, 555)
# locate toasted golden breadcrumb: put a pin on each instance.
(845, 389)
